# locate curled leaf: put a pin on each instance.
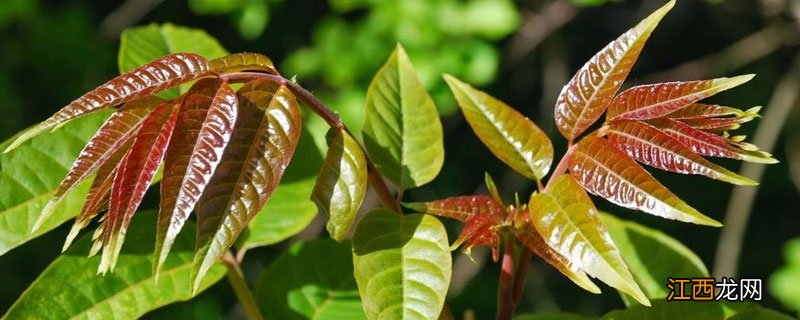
(586, 96)
(244, 61)
(708, 144)
(604, 170)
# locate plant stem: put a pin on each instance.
(243, 292)
(521, 274)
(505, 287)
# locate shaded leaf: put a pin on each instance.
(660, 99)
(131, 180)
(155, 76)
(604, 170)
(264, 139)
(297, 286)
(702, 110)
(509, 135)
(402, 265)
(664, 310)
(244, 61)
(708, 144)
(341, 184)
(587, 95)
(648, 145)
(129, 292)
(402, 132)
(202, 131)
(567, 220)
(552, 316)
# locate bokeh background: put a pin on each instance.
(520, 51)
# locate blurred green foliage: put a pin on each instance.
(784, 284)
(249, 16)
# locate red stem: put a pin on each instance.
(505, 287)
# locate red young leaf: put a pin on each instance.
(132, 179)
(587, 95)
(716, 124)
(702, 110)
(660, 99)
(648, 145)
(264, 139)
(116, 131)
(150, 78)
(604, 170)
(708, 144)
(203, 129)
(244, 61)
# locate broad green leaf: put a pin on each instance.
(657, 100)
(402, 265)
(649, 145)
(263, 142)
(30, 175)
(606, 171)
(588, 94)
(341, 184)
(127, 293)
(402, 132)
(708, 144)
(298, 286)
(783, 282)
(670, 310)
(653, 256)
(138, 45)
(509, 135)
(552, 316)
(244, 61)
(566, 218)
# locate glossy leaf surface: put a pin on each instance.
(608, 172)
(297, 286)
(648, 145)
(30, 175)
(657, 100)
(587, 95)
(402, 132)
(708, 144)
(509, 135)
(402, 265)
(243, 61)
(129, 292)
(156, 75)
(264, 139)
(567, 220)
(341, 184)
(202, 131)
(136, 171)
(702, 110)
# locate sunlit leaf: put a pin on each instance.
(716, 124)
(587, 95)
(648, 145)
(70, 288)
(702, 110)
(660, 99)
(402, 132)
(608, 172)
(135, 173)
(509, 135)
(708, 144)
(155, 76)
(402, 265)
(264, 139)
(341, 184)
(567, 220)
(202, 131)
(297, 286)
(244, 61)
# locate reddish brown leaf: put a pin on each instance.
(702, 110)
(244, 61)
(155, 76)
(648, 145)
(716, 124)
(264, 139)
(708, 144)
(660, 99)
(202, 131)
(604, 170)
(587, 95)
(133, 177)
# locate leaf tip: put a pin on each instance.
(46, 212)
(416, 206)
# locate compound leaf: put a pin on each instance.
(509, 135)
(702, 110)
(708, 144)
(244, 61)
(402, 265)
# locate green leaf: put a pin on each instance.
(511, 137)
(252, 19)
(341, 184)
(139, 45)
(653, 256)
(566, 218)
(298, 286)
(31, 173)
(402, 265)
(127, 293)
(402, 131)
(783, 282)
(552, 316)
(670, 310)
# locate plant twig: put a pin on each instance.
(521, 275)
(243, 292)
(505, 286)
